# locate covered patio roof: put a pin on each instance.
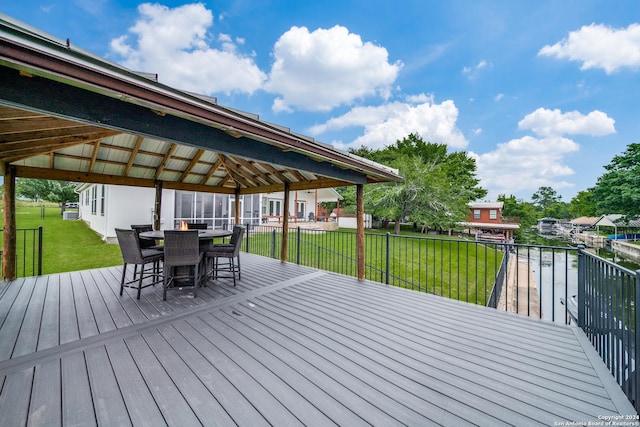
(67, 114)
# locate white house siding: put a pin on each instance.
(123, 206)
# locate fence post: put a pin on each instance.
(298, 249)
(581, 287)
(636, 373)
(40, 251)
(246, 245)
(273, 243)
(386, 280)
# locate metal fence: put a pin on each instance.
(28, 251)
(524, 279)
(607, 298)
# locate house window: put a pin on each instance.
(94, 202)
(493, 214)
(476, 214)
(102, 201)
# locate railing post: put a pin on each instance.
(273, 243)
(636, 372)
(40, 251)
(386, 279)
(298, 249)
(581, 287)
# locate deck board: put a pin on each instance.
(141, 405)
(289, 345)
(45, 407)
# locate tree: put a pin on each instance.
(525, 211)
(45, 189)
(583, 204)
(545, 197)
(425, 196)
(437, 185)
(459, 168)
(618, 190)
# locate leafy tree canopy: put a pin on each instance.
(583, 204)
(545, 197)
(618, 190)
(437, 185)
(45, 189)
(525, 211)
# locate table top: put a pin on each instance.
(202, 234)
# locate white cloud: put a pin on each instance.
(498, 97)
(175, 44)
(473, 71)
(385, 124)
(526, 164)
(599, 46)
(326, 68)
(546, 122)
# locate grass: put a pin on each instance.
(441, 265)
(68, 245)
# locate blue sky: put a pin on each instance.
(541, 93)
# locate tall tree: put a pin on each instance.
(525, 211)
(545, 197)
(583, 204)
(618, 190)
(437, 185)
(425, 196)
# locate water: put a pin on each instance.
(555, 271)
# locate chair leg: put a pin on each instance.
(232, 267)
(196, 280)
(124, 272)
(239, 274)
(165, 276)
(140, 281)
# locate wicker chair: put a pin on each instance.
(182, 259)
(146, 243)
(229, 253)
(132, 253)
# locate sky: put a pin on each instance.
(539, 92)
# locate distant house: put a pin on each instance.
(583, 223)
(486, 222)
(107, 207)
(622, 228)
(547, 225)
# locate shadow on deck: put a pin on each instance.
(290, 345)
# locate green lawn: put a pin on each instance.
(68, 245)
(443, 265)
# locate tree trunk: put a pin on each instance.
(396, 226)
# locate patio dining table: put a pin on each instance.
(202, 234)
(205, 237)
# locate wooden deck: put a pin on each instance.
(288, 346)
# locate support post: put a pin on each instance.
(360, 230)
(285, 224)
(9, 217)
(236, 214)
(157, 207)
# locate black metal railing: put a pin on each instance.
(28, 251)
(606, 312)
(524, 279)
